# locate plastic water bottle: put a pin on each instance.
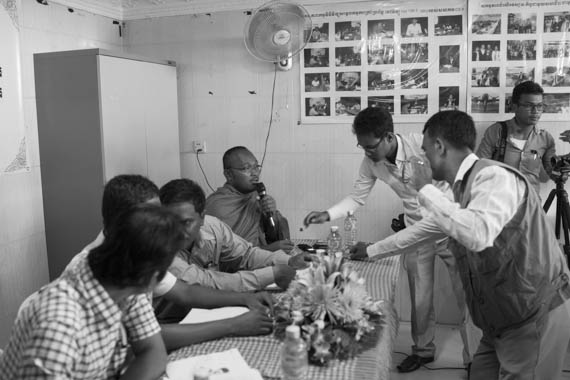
(350, 230)
(294, 359)
(334, 241)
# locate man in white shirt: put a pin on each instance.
(399, 162)
(414, 29)
(512, 268)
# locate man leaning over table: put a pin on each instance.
(125, 191)
(214, 256)
(95, 321)
(238, 205)
(513, 271)
(397, 160)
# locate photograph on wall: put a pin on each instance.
(449, 58)
(381, 52)
(485, 102)
(317, 82)
(378, 55)
(558, 103)
(347, 31)
(485, 77)
(518, 74)
(347, 56)
(521, 50)
(317, 57)
(348, 81)
(381, 80)
(386, 102)
(554, 76)
(508, 103)
(521, 23)
(414, 78)
(486, 51)
(486, 24)
(414, 52)
(556, 22)
(317, 106)
(414, 26)
(378, 29)
(556, 49)
(414, 104)
(320, 32)
(449, 25)
(448, 98)
(347, 106)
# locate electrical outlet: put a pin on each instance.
(199, 146)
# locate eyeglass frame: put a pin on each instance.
(370, 148)
(250, 169)
(540, 107)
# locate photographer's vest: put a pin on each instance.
(522, 276)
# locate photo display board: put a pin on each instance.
(515, 41)
(407, 56)
(417, 57)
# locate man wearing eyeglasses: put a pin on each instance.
(239, 206)
(518, 142)
(399, 161)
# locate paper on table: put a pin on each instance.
(225, 365)
(208, 315)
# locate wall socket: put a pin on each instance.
(199, 146)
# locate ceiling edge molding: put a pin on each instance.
(102, 8)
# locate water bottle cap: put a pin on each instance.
(293, 331)
(201, 373)
(351, 213)
(334, 228)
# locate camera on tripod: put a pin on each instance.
(561, 163)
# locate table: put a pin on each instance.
(263, 352)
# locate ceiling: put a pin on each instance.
(140, 9)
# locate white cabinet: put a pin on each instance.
(100, 114)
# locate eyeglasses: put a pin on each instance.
(249, 168)
(531, 106)
(369, 147)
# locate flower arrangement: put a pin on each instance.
(330, 303)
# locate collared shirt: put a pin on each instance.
(404, 178)
(533, 160)
(223, 260)
(496, 194)
(161, 288)
(72, 329)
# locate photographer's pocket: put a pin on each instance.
(530, 164)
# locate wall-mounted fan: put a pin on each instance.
(277, 31)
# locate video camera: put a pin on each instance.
(561, 163)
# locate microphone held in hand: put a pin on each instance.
(268, 221)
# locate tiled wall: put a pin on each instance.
(22, 233)
(225, 99)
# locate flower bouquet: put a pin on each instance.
(330, 303)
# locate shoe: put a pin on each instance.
(413, 362)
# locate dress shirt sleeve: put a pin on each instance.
(139, 320)
(241, 281)
(165, 285)
(406, 239)
(487, 146)
(361, 189)
(491, 207)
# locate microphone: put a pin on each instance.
(270, 227)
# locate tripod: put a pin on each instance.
(562, 212)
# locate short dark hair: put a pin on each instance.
(183, 190)
(375, 120)
(139, 242)
(455, 127)
(528, 87)
(228, 155)
(123, 192)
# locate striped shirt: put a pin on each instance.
(72, 329)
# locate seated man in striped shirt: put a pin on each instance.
(81, 325)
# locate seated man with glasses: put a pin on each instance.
(398, 161)
(517, 142)
(238, 204)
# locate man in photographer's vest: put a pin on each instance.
(512, 268)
